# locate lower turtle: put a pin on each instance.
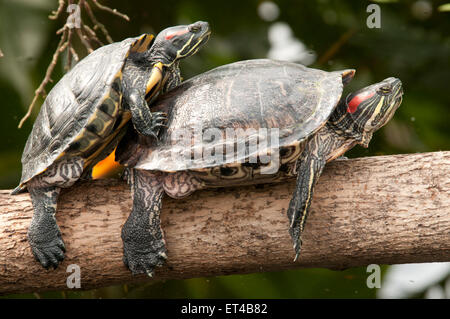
(86, 114)
(250, 122)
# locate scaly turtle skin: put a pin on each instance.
(314, 124)
(86, 114)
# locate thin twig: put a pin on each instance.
(68, 65)
(74, 54)
(84, 40)
(63, 47)
(92, 35)
(57, 13)
(97, 25)
(336, 46)
(41, 89)
(113, 11)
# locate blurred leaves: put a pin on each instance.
(444, 7)
(25, 44)
(384, 1)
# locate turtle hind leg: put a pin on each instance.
(44, 235)
(309, 168)
(143, 239)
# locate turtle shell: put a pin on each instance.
(248, 97)
(80, 112)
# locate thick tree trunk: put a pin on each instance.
(384, 210)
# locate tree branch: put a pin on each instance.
(384, 210)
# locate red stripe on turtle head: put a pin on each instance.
(176, 33)
(357, 100)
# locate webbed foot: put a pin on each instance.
(46, 243)
(142, 252)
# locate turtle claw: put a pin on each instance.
(143, 262)
(152, 126)
(297, 248)
(295, 233)
(154, 135)
(49, 254)
(159, 119)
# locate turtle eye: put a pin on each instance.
(194, 28)
(385, 89)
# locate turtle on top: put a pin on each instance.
(86, 114)
(315, 125)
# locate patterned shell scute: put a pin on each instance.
(69, 104)
(253, 94)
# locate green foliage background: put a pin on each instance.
(415, 49)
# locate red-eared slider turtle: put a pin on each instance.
(218, 135)
(86, 113)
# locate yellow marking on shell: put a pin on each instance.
(109, 106)
(292, 157)
(112, 101)
(119, 75)
(238, 173)
(155, 78)
(86, 141)
(101, 123)
(126, 116)
(142, 44)
(103, 119)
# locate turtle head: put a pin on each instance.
(372, 107)
(175, 43)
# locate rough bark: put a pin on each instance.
(384, 210)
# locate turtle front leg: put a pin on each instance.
(309, 167)
(144, 121)
(143, 239)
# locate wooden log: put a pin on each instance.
(383, 210)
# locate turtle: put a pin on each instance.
(294, 115)
(88, 111)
